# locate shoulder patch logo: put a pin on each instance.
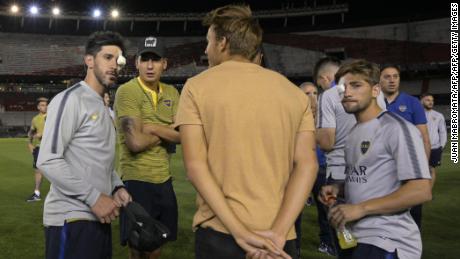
(167, 102)
(365, 146)
(94, 116)
(402, 108)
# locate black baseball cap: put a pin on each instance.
(151, 44)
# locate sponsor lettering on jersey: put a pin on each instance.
(356, 175)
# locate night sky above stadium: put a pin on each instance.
(359, 9)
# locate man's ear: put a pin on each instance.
(223, 44)
(376, 90)
(89, 61)
(164, 63)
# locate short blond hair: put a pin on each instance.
(236, 24)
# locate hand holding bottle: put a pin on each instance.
(344, 235)
(340, 213)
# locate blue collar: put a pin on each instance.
(396, 98)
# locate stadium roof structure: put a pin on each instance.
(183, 17)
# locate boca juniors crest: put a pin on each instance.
(167, 102)
(402, 108)
(365, 146)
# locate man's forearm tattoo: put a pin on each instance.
(127, 125)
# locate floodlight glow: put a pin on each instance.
(14, 8)
(115, 13)
(33, 9)
(56, 11)
(96, 13)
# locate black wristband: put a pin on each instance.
(117, 188)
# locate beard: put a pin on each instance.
(104, 79)
(356, 107)
(351, 107)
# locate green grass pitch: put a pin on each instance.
(22, 236)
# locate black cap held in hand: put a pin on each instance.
(144, 232)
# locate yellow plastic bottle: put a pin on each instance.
(346, 238)
(344, 235)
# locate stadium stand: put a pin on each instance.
(36, 64)
(59, 55)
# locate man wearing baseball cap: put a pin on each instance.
(145, 110)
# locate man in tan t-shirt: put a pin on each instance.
(247, 135)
